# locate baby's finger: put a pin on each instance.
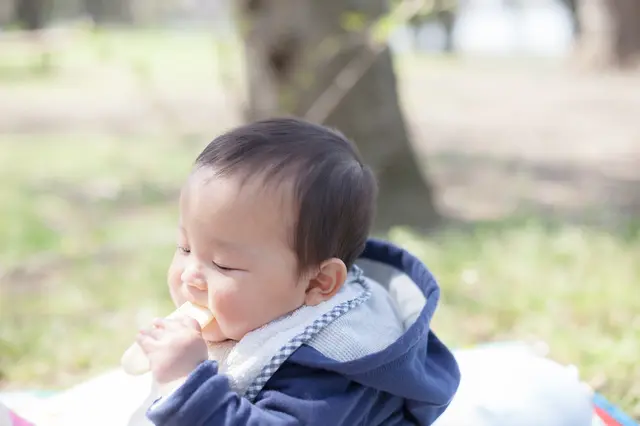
(172, 324)
(152, 332)
(146, 342)
(158, 323)
(191, 323)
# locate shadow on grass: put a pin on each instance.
(480, 190)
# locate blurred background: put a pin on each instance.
(506, 135)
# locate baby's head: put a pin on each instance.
(271, 218)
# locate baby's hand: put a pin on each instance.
(174, 347)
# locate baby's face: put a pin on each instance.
(234, 254)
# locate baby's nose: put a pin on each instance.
(193, 277)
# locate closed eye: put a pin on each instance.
(223, 268)
(184, 250)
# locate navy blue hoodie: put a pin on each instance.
(369, 359)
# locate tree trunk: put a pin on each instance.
(572, 6)
(448, 19)
(302, 61)
(31, 14)
(627, 38)
(109, 11)
(446, 16)
(610, 33)
(7, 14)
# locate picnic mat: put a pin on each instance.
(85, 402)
(604, 413)
(607, 414)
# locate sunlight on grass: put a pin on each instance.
(176, 57)
(575, 289)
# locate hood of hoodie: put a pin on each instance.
(389, 344)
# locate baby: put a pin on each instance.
(315, 324)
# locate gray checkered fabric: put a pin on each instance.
(285, 352)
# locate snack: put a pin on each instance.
(135, 362)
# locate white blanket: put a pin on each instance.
(501, 384)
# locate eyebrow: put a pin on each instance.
(245, 251)
(242, 249)
(225, 243)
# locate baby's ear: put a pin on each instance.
(326, 282)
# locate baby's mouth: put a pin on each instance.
(211, 333)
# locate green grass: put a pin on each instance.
(167, 57)
(576, 289)
(81, 266)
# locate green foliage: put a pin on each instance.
(381, 28)
(430, 10)
(24, 61)
(354, 21)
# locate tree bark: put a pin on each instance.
(109, 11)
(572, 6)
(610, 33)
(32, 15)
(446, 16)
(302, 61)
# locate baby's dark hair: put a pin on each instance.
(334, 192)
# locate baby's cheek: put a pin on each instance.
(232, 311)
(224, 303)
(174, 282)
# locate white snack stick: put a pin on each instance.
(135, 362)
(198, 313)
